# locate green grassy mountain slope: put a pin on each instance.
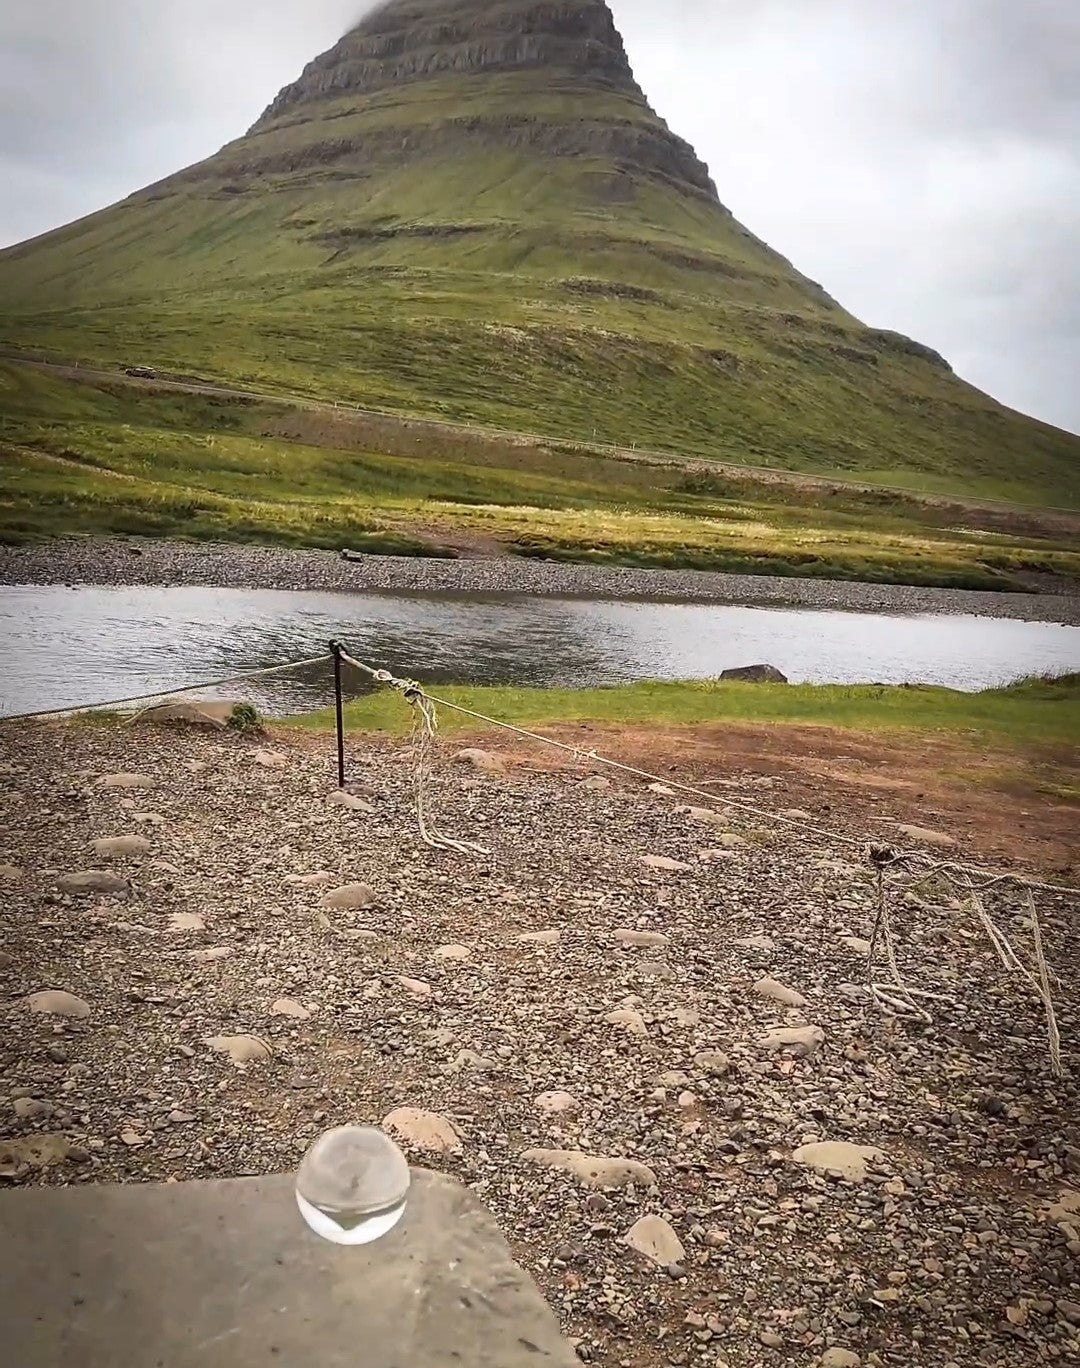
(469, 210)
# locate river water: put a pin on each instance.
(73, 647)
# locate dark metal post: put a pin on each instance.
(335, 647)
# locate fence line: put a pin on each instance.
(75, 710)
(897, 995)
(414, 693)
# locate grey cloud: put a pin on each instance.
(919, 159)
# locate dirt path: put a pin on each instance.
(1001, 805)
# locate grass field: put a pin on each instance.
(108, 458)
(1042, 712)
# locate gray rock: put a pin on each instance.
(838, 1156)
(350, 897)
(802, 1041)
(54, 1002)
(422, 1130)
(481, 760)
(655, 1239)
(33, 1152)
(756, 674)
(763, 943)
(632, 1022)
(241, 1049)
(701, 814)
(90, 881)
(665, 862)
(289, 1007)
(453, 952)
(186, 921)
(466, 1061)
(925, 836)
(657, 969)
(187, 714)
(31, 1108)
(443, 1290)
(556, 1103)
(342, 798)
(319, 879)
(651, 940)
(840, 1358)
(778, 992)
(117, 847)
(213, 954)
(593, 1170)
(126, 781)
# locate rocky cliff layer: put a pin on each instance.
(409, 40)
(555, 48)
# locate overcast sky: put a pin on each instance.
(920, 158)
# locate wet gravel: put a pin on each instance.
(156, 563)
(961, 1246)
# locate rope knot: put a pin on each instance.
(880, 856)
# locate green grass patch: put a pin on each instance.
(107, 458)
(1040, 712)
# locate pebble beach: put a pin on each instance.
(643, 1035)
(157, 563)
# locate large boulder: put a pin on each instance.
(212, 716)
(756, 674)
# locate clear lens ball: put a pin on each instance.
(353, 1185)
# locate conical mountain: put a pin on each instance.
(468, 208)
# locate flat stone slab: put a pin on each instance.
(839, 1156)
(926, 836)
(198, 1275)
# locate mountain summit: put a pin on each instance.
(572, 47)
(468, 208)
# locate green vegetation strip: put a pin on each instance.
(105, 458)
(1036, 712)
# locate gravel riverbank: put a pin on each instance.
(254, 567)
(681, 1001)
